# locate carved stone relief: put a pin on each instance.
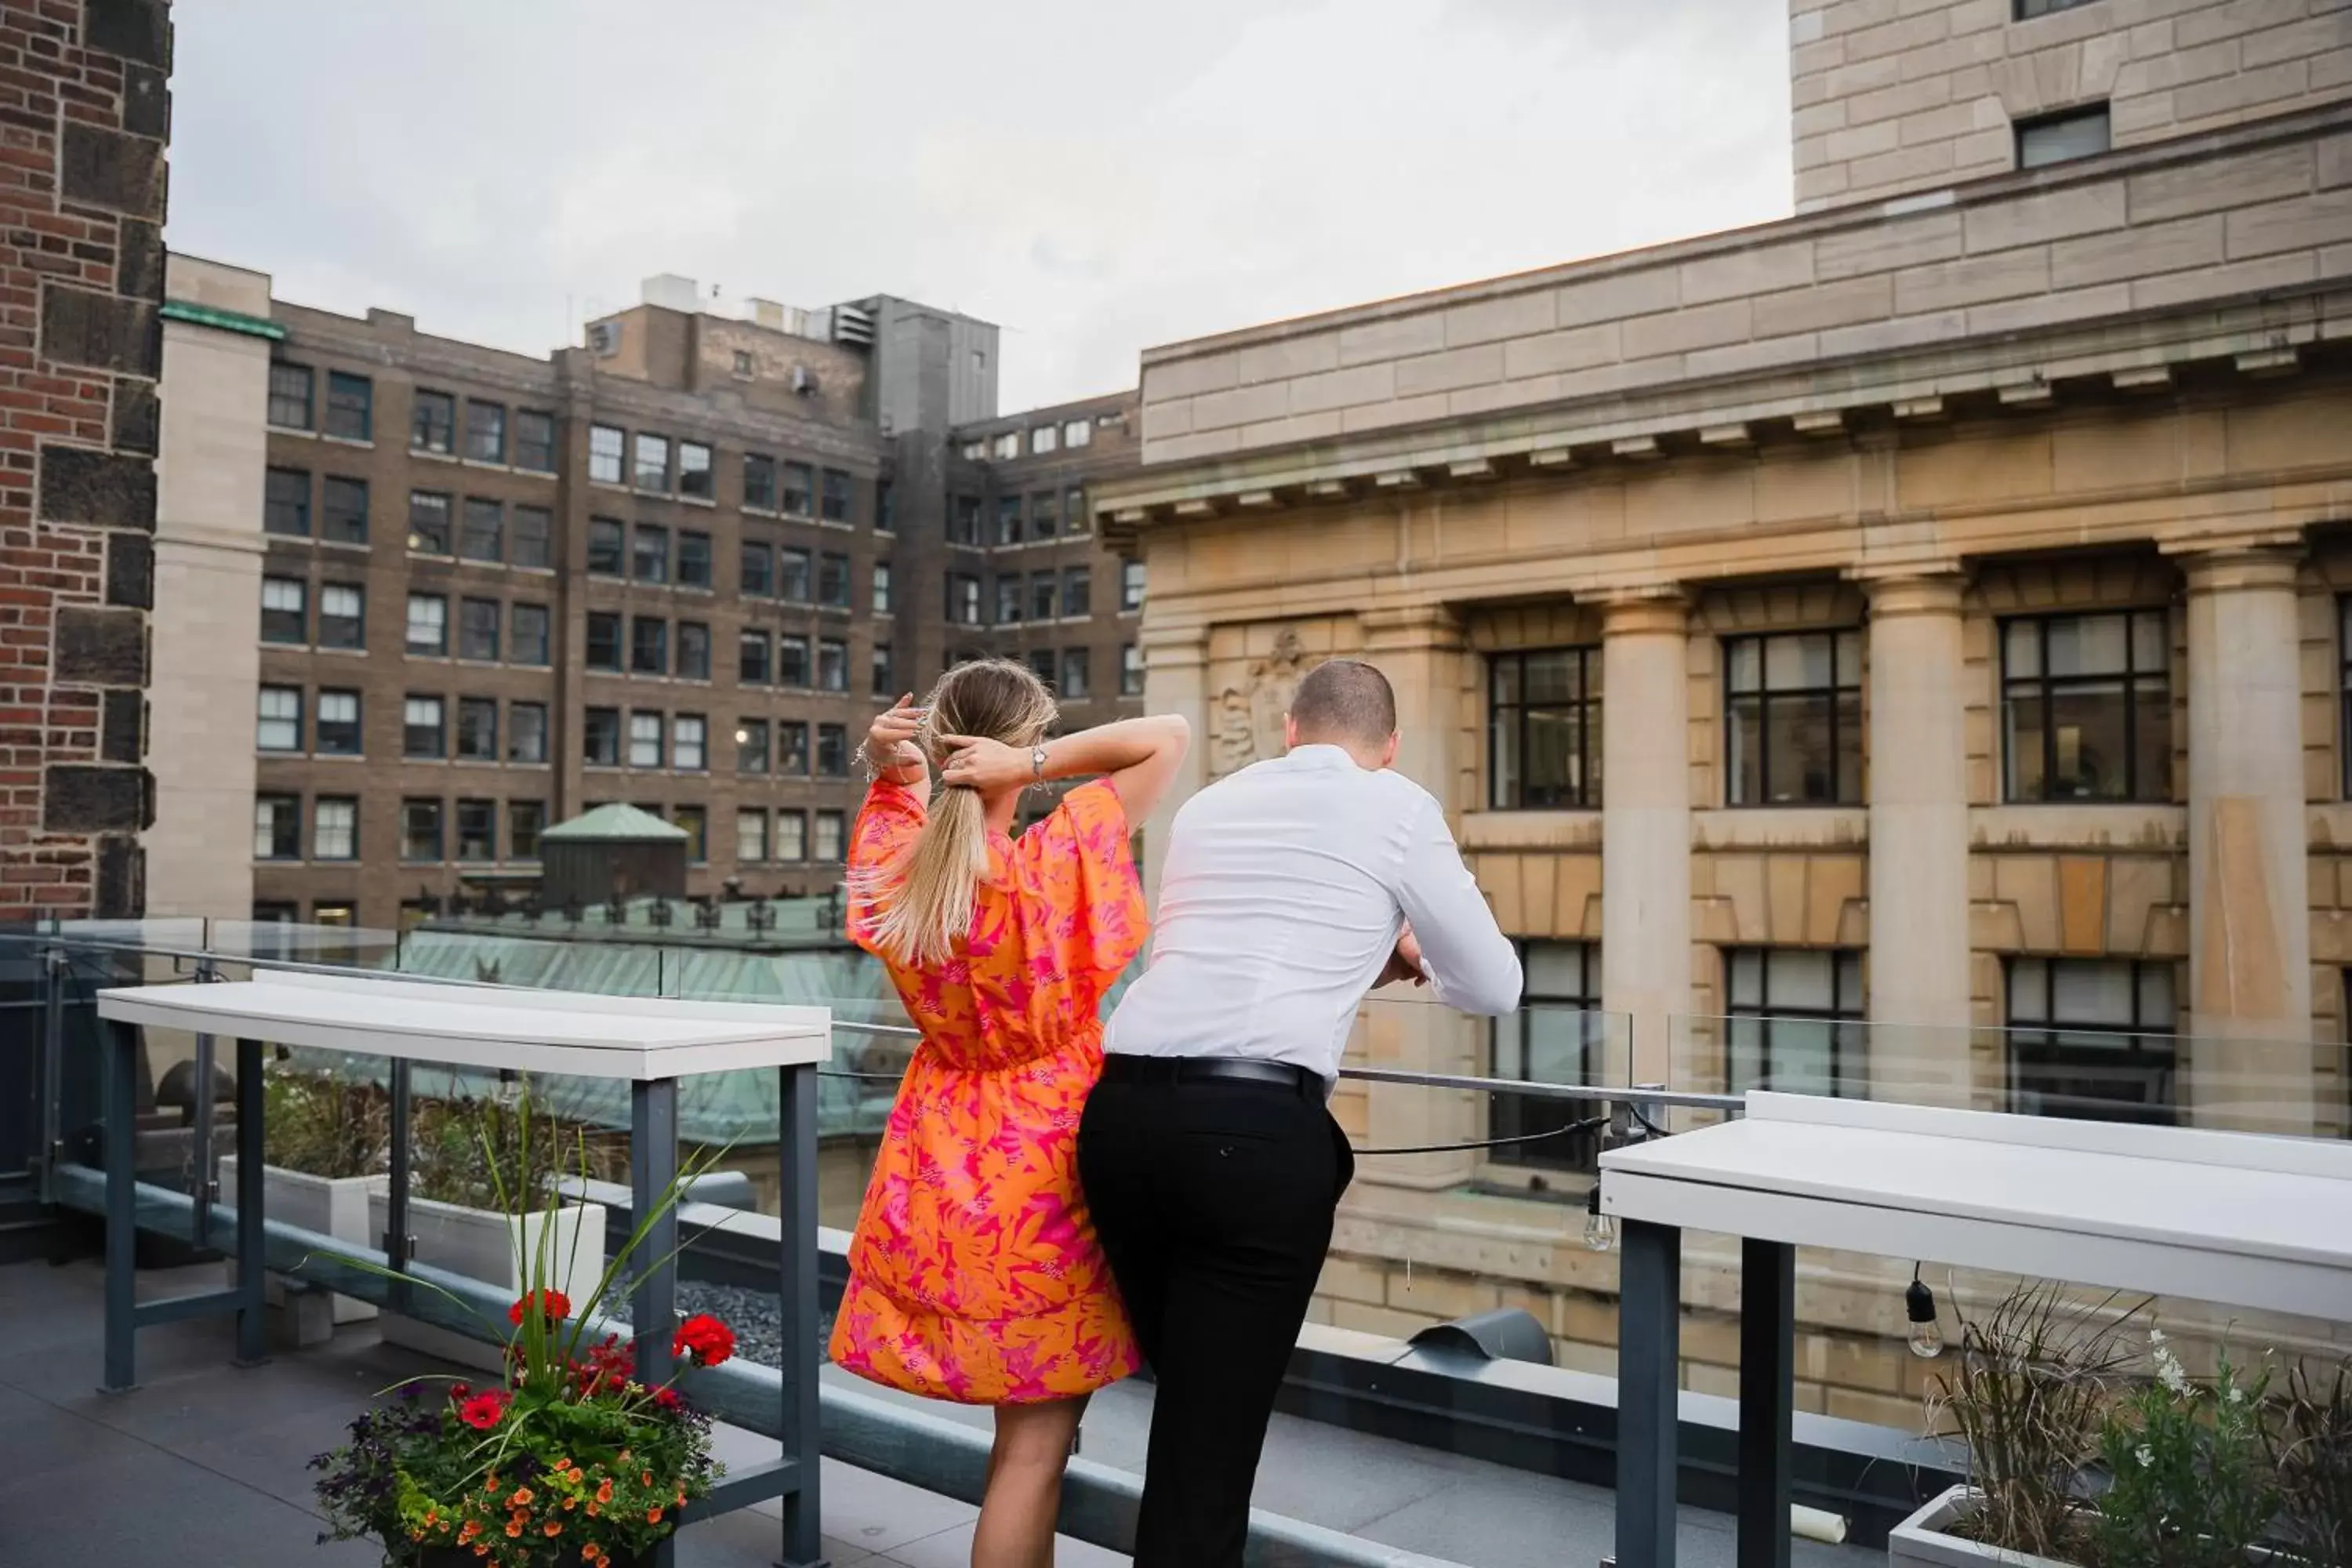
(1248, 723)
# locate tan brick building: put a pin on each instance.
(1898, 651)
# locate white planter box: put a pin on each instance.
(331, 1206)
(483, 1245)
(1920, 1540)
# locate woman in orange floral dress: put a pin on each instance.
(974, 1275)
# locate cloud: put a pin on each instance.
(1094, 178)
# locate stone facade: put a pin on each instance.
(1895, 97)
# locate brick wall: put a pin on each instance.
(84, 117)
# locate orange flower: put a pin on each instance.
(552, 1528)
(514, 1526)
(648, 1480)
(605, 1492)
(591, 1511)
(521, 1498)
(570, 1504)
(653, 1516)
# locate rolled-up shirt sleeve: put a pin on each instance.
(1471, 964)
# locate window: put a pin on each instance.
(759, 482)
(1793, 719)
(529, 643)
(1044, 439)
(337, 730)
(1795, 1021)
(433, 423)
(1078, 433)
(604, 640)
(964, 521)
(478, 830)
(428, 624)
(886, 508)
(881, 587)
(486, 432)
(791, 835)
(534, 441)
(799, 482)
(693, 560)
(693, 651)
(2062, 137)
(340, 915)
(600, 737)
(278, 827)
(1075, 516)
(2087, 707)
(830, 826)
(973, 451)
(886, 678)
(606, 446)
(963, 599)
(754, 665)
(284, 612)
(1131, 584)
(344, 516)
(289, 396)
(335, 829)
(477, 729)
(1543, 737)
(1077, 592)
(756, 570)
(1008, 599)
(286, 502)
(1044, 515)
(478, 630)
(792, 576)
(526, 732)
(277, 726)
(793, 748)
(649, 645)
(343, 616)
(429, 523)
(1008, 520)
(1042, 662)
(533, 535)
(2029, 9)
(832, 665)
(833, 581)
(605, 547)
(1008, 444)
(750, 836)
(1045, 595)
(2343, 654)
(1558, 1035)
(653, 464)
(744, 365)
(694, 470)
(792, 660)
(1130, 671)
(689, 743)
(651, 556)
(832, 751)
(835, 502)
(350, 406)
(422, 732)
(751, 746)
(645, 740)
(484, 538)
(526, 821)
(2091, 1038)
(1077, 675)
(696, 820)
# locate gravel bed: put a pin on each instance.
(756, 1316)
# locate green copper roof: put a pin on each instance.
(226, 321)
(617, 824)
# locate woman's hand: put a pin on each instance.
(988, 767)
(890, 746)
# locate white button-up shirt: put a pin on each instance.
(1281, 897)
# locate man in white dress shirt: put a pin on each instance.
(1210, 1162)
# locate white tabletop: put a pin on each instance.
(566, 1032)
(2234, 1219)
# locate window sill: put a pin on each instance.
(1781, 828)
(358, 442)
(1492, 830)
(710, 502)
(432, 456)
(2089, 826)
(303, 430)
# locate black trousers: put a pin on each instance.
(1213, 1200)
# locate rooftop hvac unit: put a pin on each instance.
(852, 325)
(604, 338)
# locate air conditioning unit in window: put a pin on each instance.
(803, 380)
(605, 339)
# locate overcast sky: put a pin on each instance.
(1096, 177)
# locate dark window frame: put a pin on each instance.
(1508, 717)
(2049, 1045)
(428, 534)
(599, 725)
(283, 514)
(2046, 688)
(1544, 1122)
(1845, 1019)
(530, 538)
(283, 395)
(603, 643)
(476, 743)
(608, 548)
(414, 743)
(481, 629)
(486, 419)
(648, 654)
(339, 522)
(694, 559)
(328, 735)
(527, 742)
(300, 624)
(482, 531)
(692, 650)
(474, 820)
(350, 407)
(285, 825)
(433, 423)
(357, 634)
(534, 440)
(1844, 650)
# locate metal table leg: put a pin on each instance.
(797, 1124)
(398, 1242)
(1767, 1321)
(252, 1286)
(121, 1144)
(1649, 1349)
(653, 1301)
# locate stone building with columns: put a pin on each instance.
(1898, 650)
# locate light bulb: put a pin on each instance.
(1599, 1229)
(1919, 1306)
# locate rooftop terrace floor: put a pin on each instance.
(206, 1465)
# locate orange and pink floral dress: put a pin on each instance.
(974, 1275)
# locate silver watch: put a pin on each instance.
(1037, 763)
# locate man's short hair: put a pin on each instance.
(1344, 700)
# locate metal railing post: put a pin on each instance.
(205, 1187)
(55, 968)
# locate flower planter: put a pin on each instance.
(1922, 1538)
(331, 1206)
(497, 1249)
(453, 1557)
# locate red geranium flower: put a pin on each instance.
(484, 1410)
(706, 1338)
(554, 1304)
(667, 1398)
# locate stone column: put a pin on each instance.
(2250, 1059)
(1919, 990)
(1645, 827)
(1175, 680)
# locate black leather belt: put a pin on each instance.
(1307, 1085)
